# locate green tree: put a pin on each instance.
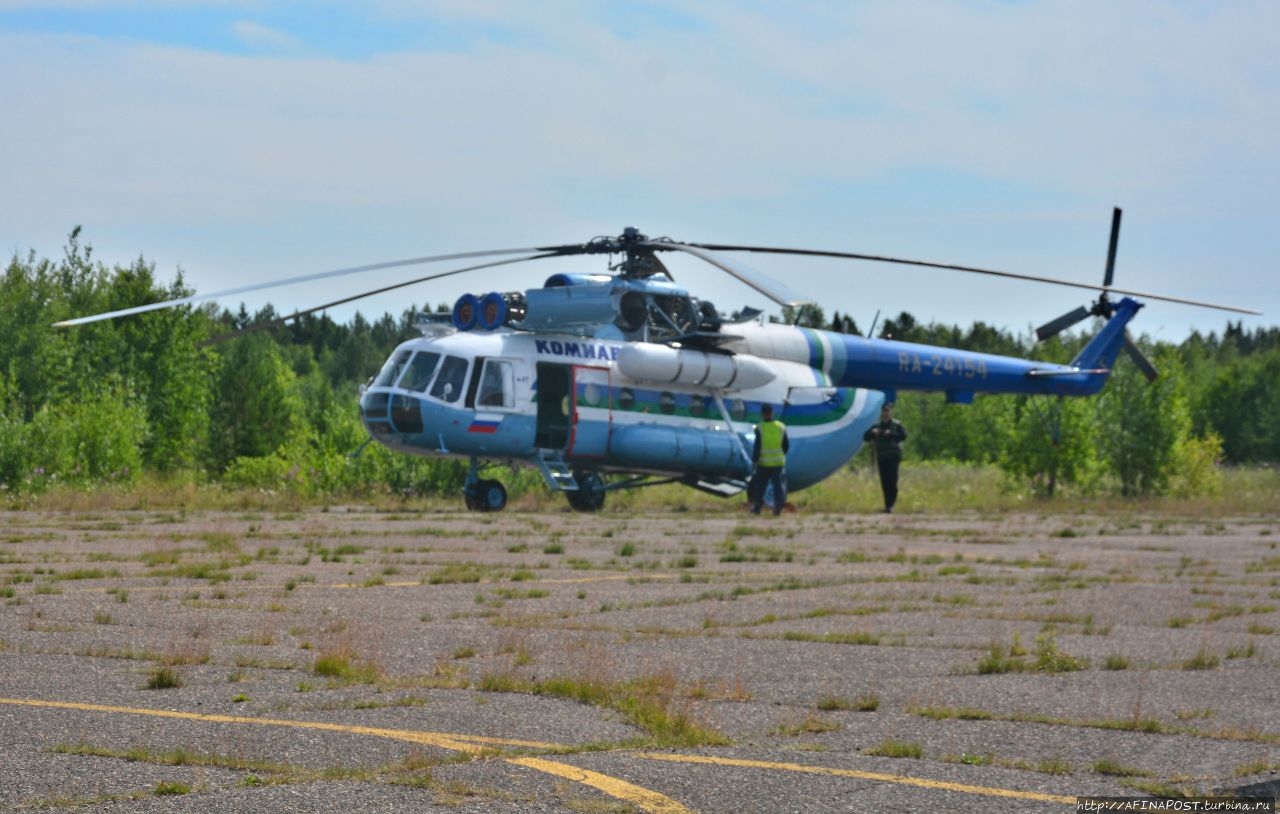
(1240, 401)
(160, 354)
(1048, 442)
(902, 328)
(808, 315)
(357, 356)
(257, 405)
(155, 355)
(1142, 425)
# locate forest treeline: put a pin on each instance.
(277, 407)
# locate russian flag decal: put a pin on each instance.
(485, 422)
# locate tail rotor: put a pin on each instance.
(1102, 307)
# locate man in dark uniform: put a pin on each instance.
(888, 436)
(770, 457)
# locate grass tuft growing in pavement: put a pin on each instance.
(810, 725)
(163, 678)
(892, 747)
(341, 662)
(866, 702)
(1048, 658)
(1202, 660)
(649, 702)
(1114, 769)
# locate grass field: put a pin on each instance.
(925, 487)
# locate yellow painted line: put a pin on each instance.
(645, 799)
(426, 738)
(490, 741)
(342, 586)
(902, 780)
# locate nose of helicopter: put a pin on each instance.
(386, 412)
(375, 412)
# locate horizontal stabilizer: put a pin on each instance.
(1097, 371)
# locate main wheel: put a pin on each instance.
(491, 495)
(471, 496)
(486, 496)
(589, 496)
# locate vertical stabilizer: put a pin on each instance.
(1102, 350)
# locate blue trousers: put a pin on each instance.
(760, 481)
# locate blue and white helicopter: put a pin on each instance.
(621, 380)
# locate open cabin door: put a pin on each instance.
(554, 406)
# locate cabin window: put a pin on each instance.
(667, 402)
(697, 406)
(497, 384)
(737, 409)
(626, 398)
(418, 374)
(448, 386)
(391, 370)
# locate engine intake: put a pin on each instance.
(488, 312)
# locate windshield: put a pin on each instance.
(391, 370)
(418, 376)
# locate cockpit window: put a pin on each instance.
(497, 384)
(391, 370)
(448, 386)
(418, 375)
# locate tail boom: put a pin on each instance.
(845, 360)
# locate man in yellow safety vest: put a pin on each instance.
(770, 457)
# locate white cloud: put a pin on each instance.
(739, 127)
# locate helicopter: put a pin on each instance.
(619, 380)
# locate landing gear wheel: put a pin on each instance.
(589, 496)
(492, 495)
(487, 496)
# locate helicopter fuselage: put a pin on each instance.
(610, 405)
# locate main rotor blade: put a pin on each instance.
(972, 269)
(1057, 326)
(261, 326)
(1111, 249)
(305, 278)
(1139, 359)
(774, 290)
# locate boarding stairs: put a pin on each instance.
(556, 471)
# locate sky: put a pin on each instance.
(242, 141)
